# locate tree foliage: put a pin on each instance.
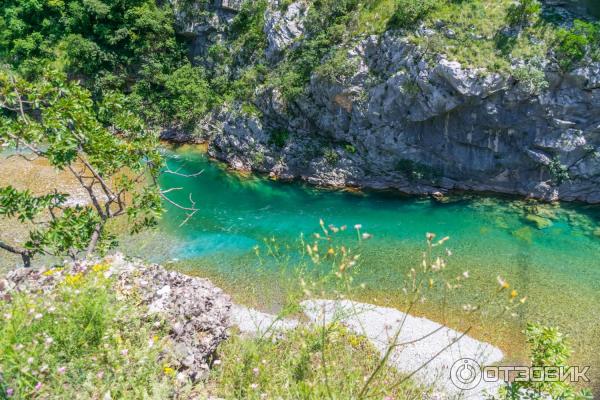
(104, 146)
(523, 12)
(575, 43)
(128, 46)
(549, 348)
(410, 12)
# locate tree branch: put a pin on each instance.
(177, 173)
(24, 253)
(90, 190)
(105, 187)
(190, 215)
(192, 209)
(95, 238)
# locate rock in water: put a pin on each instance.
(539, 222)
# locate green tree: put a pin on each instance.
(128, 46)
(410, 12)
(103, 145)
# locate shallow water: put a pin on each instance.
(557, 267)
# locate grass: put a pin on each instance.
(475, 25)
(305, 364)
(81, 341)
(477, 41)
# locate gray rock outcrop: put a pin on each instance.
(283, 27)
(420, 123)
(196, 311)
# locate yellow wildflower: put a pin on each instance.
(513, 294)
(99, 268)
(74, 280)
(168, 371)
(503, 284)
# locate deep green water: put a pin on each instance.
(558, 267)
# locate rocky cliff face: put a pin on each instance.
(420, 124)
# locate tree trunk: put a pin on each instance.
(94, 239)
(26, 257)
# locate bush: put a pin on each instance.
(181, 97)
(572, 45)
(549, 348)
(532, 78)
(558, 171)
(80, 341)
(331, 156)
(279, 137)
(337, 68)
(523, 12)
(350, 148)
(410, 12)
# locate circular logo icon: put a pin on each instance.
(465, 374)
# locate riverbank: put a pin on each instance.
(184, 306)
(551, 258)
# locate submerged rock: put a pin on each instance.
(538, 221)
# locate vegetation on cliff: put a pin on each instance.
(492, 35)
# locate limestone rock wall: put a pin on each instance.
(419, 125)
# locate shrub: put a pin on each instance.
(573, 44)
(558, 171)
(532, 78)
(279, 137)
(331, 156)
(523, 12)
(549, 348)
(410, 12)
(337, 68)
(181, 97)
(350, 148)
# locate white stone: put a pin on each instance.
(253, 322)
(423, 340)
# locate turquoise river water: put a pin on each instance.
(556, 264)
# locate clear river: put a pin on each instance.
(549, 253)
